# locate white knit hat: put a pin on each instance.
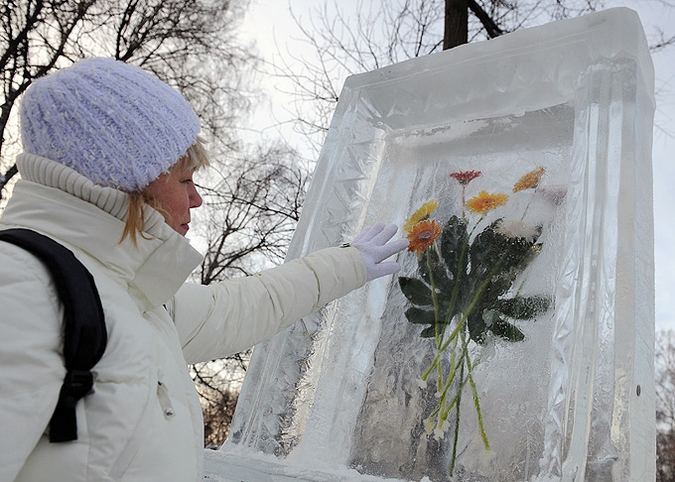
(114, 123)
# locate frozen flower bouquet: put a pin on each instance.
(467, 292)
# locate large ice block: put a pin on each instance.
(516, 344)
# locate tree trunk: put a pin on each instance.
(456, 23)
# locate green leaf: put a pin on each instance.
(416, 291)
(523, 251)
(496, 262)
(454, 239)
(420, 316)
(507, 331)
(498, 285)
(516, 253)
(486, 252)
(477, 327)
(532, 252)
(428, 332)
(495, 253)
(523, 308)
(441, 280)
(444, 307)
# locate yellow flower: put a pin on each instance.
(485, 201)
(423, 235)
(420, 215)
(531, 179)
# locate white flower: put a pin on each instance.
(553, 194)
(518, 229)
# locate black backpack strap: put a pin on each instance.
(85, 334)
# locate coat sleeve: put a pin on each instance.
(32, 368)
(225, 318)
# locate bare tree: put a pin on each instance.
(218, 384)
(380, 33)
(26, 28)
(254, 204)
(191, 45)
(253, 195)
(665, 406)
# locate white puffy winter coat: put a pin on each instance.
(143, 422)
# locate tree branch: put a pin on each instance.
(4, 179)
(490, 25)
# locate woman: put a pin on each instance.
(109, 155)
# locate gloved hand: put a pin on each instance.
(375, 246)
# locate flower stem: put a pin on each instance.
(453, 460)
(459, 372)
(476, 399)
(434, 298)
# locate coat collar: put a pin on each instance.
(57, 201)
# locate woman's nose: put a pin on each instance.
(195, 198)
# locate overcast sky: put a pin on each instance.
(270, 24)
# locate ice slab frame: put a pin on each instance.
(575, 96)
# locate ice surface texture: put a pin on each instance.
(572, 400)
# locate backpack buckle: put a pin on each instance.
(78, 383)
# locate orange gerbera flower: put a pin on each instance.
(531, 179)
(423, 235)
(420, 215)
(485, 201)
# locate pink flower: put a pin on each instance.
(465, 177)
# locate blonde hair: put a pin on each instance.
(194, 159)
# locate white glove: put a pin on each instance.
(374, 245)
